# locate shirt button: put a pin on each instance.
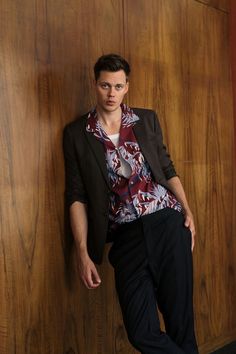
(131, 182)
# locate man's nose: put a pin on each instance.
(111, 91)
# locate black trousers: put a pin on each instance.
(152, 261)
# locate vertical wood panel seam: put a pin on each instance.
(123, 26)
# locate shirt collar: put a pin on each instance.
(128, 119)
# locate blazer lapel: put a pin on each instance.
(98, 151)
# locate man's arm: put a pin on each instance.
(173, 180)
(76, 197)
(164, 157)
(177, 189)
(79, 225)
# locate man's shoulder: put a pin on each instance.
(77, 125)
(147, 117)
(143, 112)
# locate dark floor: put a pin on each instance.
(228, 349)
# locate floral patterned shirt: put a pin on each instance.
(139, 194)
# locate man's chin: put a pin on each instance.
(111, 108)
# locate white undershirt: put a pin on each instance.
(114, 138)
(125, 169)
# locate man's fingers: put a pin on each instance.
(95, 276)
(86, 283)
(187, 222)
(92, 279)
(88, 273)
(192, 238)
(193, 242)
(87, 280)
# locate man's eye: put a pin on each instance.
(119, 87)
(104, 86)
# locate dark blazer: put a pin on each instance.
(86, 172)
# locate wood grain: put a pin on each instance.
(232, 33)
(222, 5)
(47, 51)
(179, 56)
(181, 67)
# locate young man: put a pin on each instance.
(121, 186)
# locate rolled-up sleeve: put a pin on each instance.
(74, 186)
(164, 157)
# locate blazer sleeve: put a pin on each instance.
(164, 157)
(74, 186)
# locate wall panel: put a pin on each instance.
(180, 61)
(47, 51)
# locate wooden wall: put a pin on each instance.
(179, 53)
(233, 55)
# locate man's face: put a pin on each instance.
(111, 88)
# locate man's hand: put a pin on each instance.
(88, 271)
(189, 222)
(177, 189)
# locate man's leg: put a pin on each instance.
(170, 260)
(136, 292)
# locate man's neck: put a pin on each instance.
(109, 118)
(110, 121)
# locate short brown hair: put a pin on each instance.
(111, 62)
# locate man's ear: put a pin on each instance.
(127, 87)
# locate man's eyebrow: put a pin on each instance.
(108, 83)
